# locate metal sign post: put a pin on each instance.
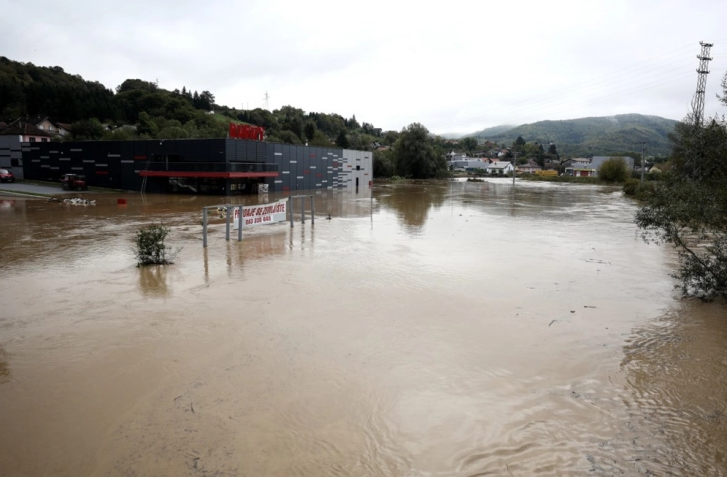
(204, 227)
(303, 207)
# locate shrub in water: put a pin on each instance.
(150, 246)
(614, 169)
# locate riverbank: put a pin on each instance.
(522, 177)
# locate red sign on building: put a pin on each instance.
(246, 131)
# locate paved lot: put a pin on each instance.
(28, 188)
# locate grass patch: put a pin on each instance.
(226, 119)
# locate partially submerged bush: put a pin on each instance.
(614, 169)
(150, 247)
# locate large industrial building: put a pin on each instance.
(198, 166)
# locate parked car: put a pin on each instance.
(6, 176)
(73, 182)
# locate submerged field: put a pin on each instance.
(447, 329)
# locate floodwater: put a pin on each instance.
(456, 329)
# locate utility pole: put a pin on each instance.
(699, 98)
(642, 164)
(266, 99)
(693, 159)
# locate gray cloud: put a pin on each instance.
(461, 66)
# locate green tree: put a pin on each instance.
(289, 137)
(470, 144)
(309, 129)
(147, 126)
(87, 130)
(614, 169)
(383, 166)
(342, 141)
(688, 207)
(390, 137)
(415, 155)
(320, 139)
(173, 132)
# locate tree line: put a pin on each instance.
(687, 207)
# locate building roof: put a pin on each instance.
(499, 165)
(18, 128)
(39, 118)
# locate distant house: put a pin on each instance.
(500, 167)
(591, 169)
(469, 164)
(456, 156)
(575, 160)
(25, 132)
(527, 168)
(44, 123)
(580, 170)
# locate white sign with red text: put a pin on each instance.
(261, 214)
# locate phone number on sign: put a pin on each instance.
(257, 220)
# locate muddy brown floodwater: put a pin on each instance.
(459, 329)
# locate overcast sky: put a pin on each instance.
(454, 66)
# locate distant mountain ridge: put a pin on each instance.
(591, 136)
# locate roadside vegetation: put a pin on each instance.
(687, 208)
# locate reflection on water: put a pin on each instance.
(153, 281)
(452, 329)
(4, 369)
(412, 202)
(677, 402)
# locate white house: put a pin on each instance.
(500, 167)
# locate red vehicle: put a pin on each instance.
(6, 176)
(73, 182)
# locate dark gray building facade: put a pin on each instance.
(198, 166)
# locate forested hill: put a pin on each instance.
(26, 89)
(29, 90)
(593, 136)
(96, 112)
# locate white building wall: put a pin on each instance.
(357, 168)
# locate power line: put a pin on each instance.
(658, 73)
